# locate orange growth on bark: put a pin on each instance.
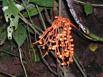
(58, 39)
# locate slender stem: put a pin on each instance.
(78, 65)
(60, 7)
(6, 74)
(21, 60)
(30, 17)
(29, 24)
(47, 16)
(62, 71)
(41, 17)
(34, 51)
(65, 71)
(46, 63)
(9, 53)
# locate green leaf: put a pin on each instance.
(11, 15)
(32, 11)
(13, 26)
(20, 35)
(95, 37)
(9, 9)
(45, 3)
(88, 9)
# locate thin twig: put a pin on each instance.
(60, 69)
(31, 26)
(46, 63)
(6, 74)
(9, 53)
(78, 65)
(60, 7)
(30, 16)
(65, 71)
(21, 60)
(47, 16)
(81, 2)
(41, 17)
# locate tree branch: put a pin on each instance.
(83, 3)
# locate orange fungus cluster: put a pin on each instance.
(58, 39)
